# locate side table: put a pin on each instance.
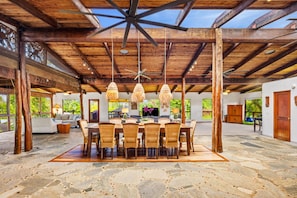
(63, 128)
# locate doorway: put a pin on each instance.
(282, 115)
(94, 111)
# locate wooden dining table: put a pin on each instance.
(94, 130)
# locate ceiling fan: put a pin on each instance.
(139, 74)
(130, 16)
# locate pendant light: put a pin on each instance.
(138, 94)
(112, 92)
(165, 93)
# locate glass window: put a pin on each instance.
(115, 107)
(40, 106)
(206, 109)
(175, 108)
(71, 106)
(253, 108)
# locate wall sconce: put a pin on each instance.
(267, 101)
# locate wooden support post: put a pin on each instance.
(25, 92)
(81, 105)
(18, 121)
(217, 86)
(183, 101)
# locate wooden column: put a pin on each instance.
(217, 87)
(18, 119)
(25, 94)
(183, 113)
(82, 105)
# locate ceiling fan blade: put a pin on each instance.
(137, 76)
(104, 29)
(162, 25)
(133, 7)
(133, 72)
(145, 76)
(117, 7)
(163, 7)
(143, 70)
(126, 34)
(88, 13)
(145, 34)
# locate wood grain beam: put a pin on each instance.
(96, 89)
(83, 9)
(252, 89)
(189, 88)
(84, 59)
(173, 88)
(194, 35)
(272, 16)
(204, 89)
(194, 58)
(271, 60)
(228, 15)
(283, 67)
(36, 12)
(11, 21)
(291, 74)
(168, 52)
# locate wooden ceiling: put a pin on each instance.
(247, 61)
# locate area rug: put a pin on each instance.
(201, 154)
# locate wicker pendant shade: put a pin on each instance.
(165, 93)
(138, 94)
(112, 92)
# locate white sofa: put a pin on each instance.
(44, 125)
(72, 119)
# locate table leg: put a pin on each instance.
(89, 143)
(188, 140)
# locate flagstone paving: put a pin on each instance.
(258, 166)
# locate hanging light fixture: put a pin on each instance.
(165, 93)
(112, 92)
(138, 94)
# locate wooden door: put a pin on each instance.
(282, 115)
(94, 110)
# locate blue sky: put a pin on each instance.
(198, 18)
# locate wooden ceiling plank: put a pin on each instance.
(225, 54)
(194, 58)
(11, 21)
(290, 74)
(252, 89)
(228, 15)
(168, 52)
(109, 53)
(204, 89)
(36, 12)
(94, 87)
(189, 88)
(272, 16)
(84, 59)
(271, 60)
(174, 88)
(94, 20)
(285, 66)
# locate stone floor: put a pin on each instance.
(259, 166)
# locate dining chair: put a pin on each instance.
(152, 137)
(183, 137)
(107, 137)
(171, 139)
(130, 139)
(84, 129)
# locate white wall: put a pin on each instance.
(196, 102)
(267, 112)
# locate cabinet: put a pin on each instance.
(234, 113)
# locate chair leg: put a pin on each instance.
(193, 146)
(126, 153)
(146, 152)
(111, 153)
(135, 153)
(157, 152)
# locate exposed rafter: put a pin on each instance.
(34, 11)
(228, 15)
(272, 16)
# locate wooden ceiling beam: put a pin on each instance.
(84, 59)
(189, 88)
(272, 16)
(96, 89)
(174, 88)
(291, 74)
(184, 12)
(271, 60)
(36, 12)
(168, 52)
(83, 9)
(204, 89)
(195, 35)
(283, 67)
(11, 21)
(228, 15)
(252, 89)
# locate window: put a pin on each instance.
(175, 108)
(71, 106)
(40, 106)
(7, 112)
(206, 109)
(115, 107)
(253, 108)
